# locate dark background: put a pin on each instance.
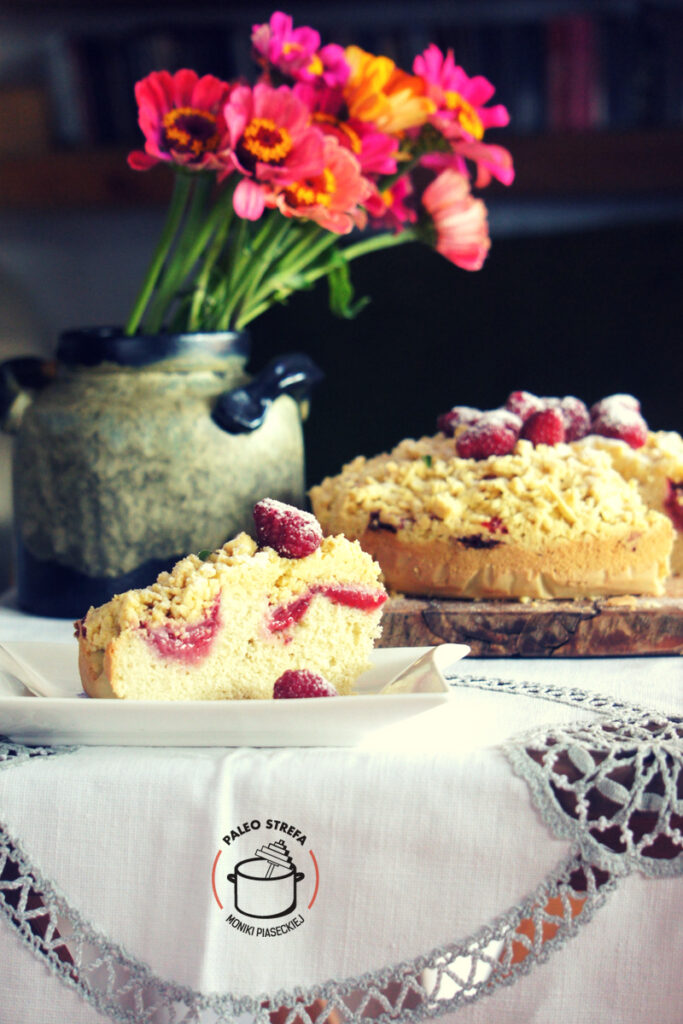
(586, 313)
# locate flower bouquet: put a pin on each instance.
(332, 153)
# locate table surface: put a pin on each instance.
(463, 863)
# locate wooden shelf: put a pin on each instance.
(582, 164)
(596, 163)
(72, 179)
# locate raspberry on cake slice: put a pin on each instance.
(290, 531)
(228, 626)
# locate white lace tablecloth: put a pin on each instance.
(513, 855)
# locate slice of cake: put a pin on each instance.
(508, 503)
(229, 625)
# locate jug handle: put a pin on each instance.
(243, 410)
(19, 378)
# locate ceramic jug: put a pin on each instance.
(131, 452)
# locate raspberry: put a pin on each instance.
(577, 421)
(545, 427)
(448, 421)
(622, 423)
(302, 682)
(292, 532)
(524, 403)
(613, 403)
(490, 435)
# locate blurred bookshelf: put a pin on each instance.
(583, 165)
(594, 89)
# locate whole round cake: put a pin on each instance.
(228, 625)
(542, 498)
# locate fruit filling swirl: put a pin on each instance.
(673, 503)
(352, 595)
(186, 642)
(192, 642)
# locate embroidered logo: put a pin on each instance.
(265, 883)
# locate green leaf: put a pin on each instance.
(341, 291)
(427, 459)
(203, 554)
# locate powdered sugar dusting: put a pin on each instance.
(455, 417)
(502, 417)
(618, 416)
(490, 435)
(615, 402)
(577, 421)
(524, 403)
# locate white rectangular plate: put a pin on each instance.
(62, 714)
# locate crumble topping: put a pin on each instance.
(658, 460)
(424, 491)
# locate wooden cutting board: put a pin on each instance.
(608, 626)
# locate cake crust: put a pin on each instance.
(636, 563)
(91, 666)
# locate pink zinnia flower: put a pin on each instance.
(271, 141)
(388, 209)
(462, 117)
(181, 117)
(330, 198)
(491, 162)
(249, 199)
(297, 53)
(459, 100)
(459, 220)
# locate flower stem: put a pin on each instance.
(205, 225)
(254, 263)
(188, 249)
(374, 243)
(225, 295)
(181, 191)
(201, 288)
(264, 297)
(302, 255)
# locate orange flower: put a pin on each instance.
(380, 92)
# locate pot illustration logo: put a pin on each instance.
(265, 885)
(262, 883)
